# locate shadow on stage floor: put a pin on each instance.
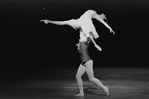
(123, 84)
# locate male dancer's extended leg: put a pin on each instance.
(80, 72)
(90, 73)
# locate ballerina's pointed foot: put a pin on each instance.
(80, 94)
(106, 89)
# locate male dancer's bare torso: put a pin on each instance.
(83, 50)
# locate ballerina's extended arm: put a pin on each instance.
(98, 17)
(67, 22)
(71, 23)
(55, 22)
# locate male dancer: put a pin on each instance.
(87, 35)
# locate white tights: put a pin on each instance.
(88, 68)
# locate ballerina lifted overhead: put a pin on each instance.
(87, 34)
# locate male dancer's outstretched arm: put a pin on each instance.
(100, 18)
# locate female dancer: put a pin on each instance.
(87, 35)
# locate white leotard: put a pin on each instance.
(86, 23)
(83, 37)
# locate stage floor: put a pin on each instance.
(124, 83)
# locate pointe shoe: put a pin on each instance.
(106, 89)
(80, 94)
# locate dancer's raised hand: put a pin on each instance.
(111, 31)
(45, 21)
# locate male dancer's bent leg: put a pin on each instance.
(80, 72)
(90, 73)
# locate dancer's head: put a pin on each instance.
(103, 16)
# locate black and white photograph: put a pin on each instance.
(74, 49)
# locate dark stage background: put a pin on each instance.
(29, 47)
